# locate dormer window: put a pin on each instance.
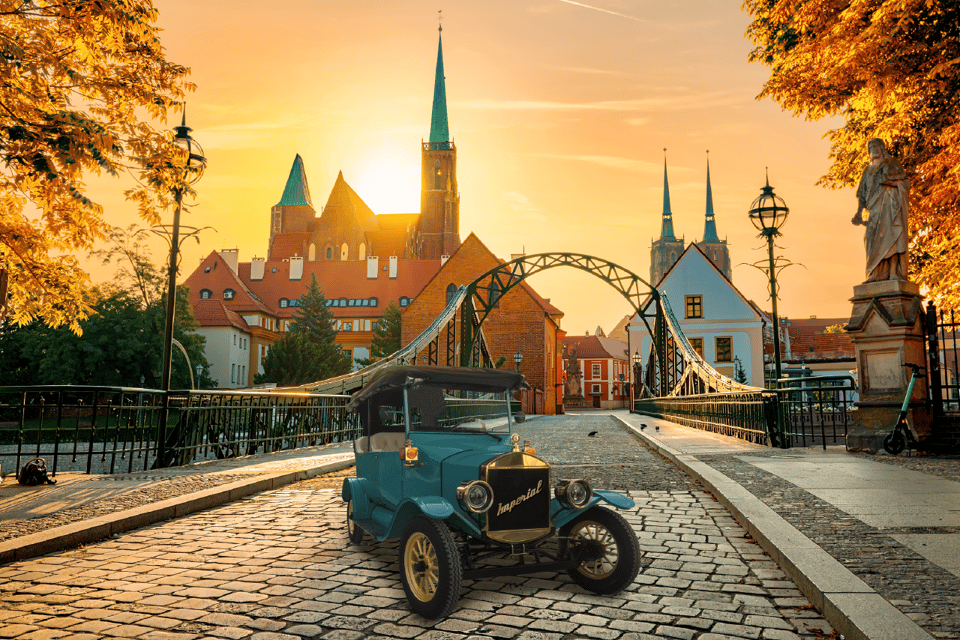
(404, 301)
(283, 303)
(205, 294)
(228, 294)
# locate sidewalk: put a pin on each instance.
(874, 545)
(82, 508)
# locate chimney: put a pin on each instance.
(393, 267)
(296, 267)
(230, 257)
(443, 260)
(373, 266)
(256, 268)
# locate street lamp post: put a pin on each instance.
(636, 375)
(518, 358)
(193, 165)
(768, 213)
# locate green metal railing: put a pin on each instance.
(117, 429)
(817, 408)
(754, 416)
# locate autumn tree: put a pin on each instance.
(891, 70)
(77, 80)
(307, 352)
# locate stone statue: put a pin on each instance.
(572, 390)
(883, 192)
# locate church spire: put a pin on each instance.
(666, 229)
(296, 193)
(710, 226)
(439, 131)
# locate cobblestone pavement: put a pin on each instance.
(277, 566)
(923, 591)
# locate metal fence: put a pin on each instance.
(119, 430)
(751, 415)
(816, 409)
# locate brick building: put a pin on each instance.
(604, 370)
(523, 320)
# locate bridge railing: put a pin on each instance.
(817, 408)
(754, 416)
(116, 429)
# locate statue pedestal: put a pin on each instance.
(887, 332)
(576, 401)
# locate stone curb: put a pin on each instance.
(853, 608)
(95, 529)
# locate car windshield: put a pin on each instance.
(437, 409)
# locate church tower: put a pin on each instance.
(711, 245)
(665, 250)
(294, 213)
(439, 225)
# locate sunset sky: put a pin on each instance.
(560, 111)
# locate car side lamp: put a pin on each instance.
(409, 454)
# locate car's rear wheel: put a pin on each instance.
(354, 532)
(430, 568)
(612, 550)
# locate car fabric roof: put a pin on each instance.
(466, 378)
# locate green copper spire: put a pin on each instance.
(439, 131)
(666, 229)
(710, 227)
(296, 193)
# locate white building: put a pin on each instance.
(722, 325)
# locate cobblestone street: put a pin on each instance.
(277, 565)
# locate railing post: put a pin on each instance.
(933, 358)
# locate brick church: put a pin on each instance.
(347, 229)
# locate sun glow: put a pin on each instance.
(390, 183)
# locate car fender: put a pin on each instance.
(430, 506)
(357, 489)
(563, 514)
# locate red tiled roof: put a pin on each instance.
(821, 346)
(215, 275)
(341, 279)
(213, 313)
(594, 347)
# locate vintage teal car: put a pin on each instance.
(441, 467)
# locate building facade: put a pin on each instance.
(604, 370)
(523, 320)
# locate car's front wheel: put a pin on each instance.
(354, 532)
(611, 549)
(430, 568)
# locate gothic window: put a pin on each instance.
(363, 251)
(451, 290)
(436, 176)
(312, 252)
(344, 251)
(716, 256)
(724, 347)
(693, 307)
(329, 253)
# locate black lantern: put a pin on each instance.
(636, 373)
(518, 358)
(768, 213)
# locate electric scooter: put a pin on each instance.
(902, 435)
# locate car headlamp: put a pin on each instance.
(575, 493)
(475, 496)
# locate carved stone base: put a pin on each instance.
(886, 330)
